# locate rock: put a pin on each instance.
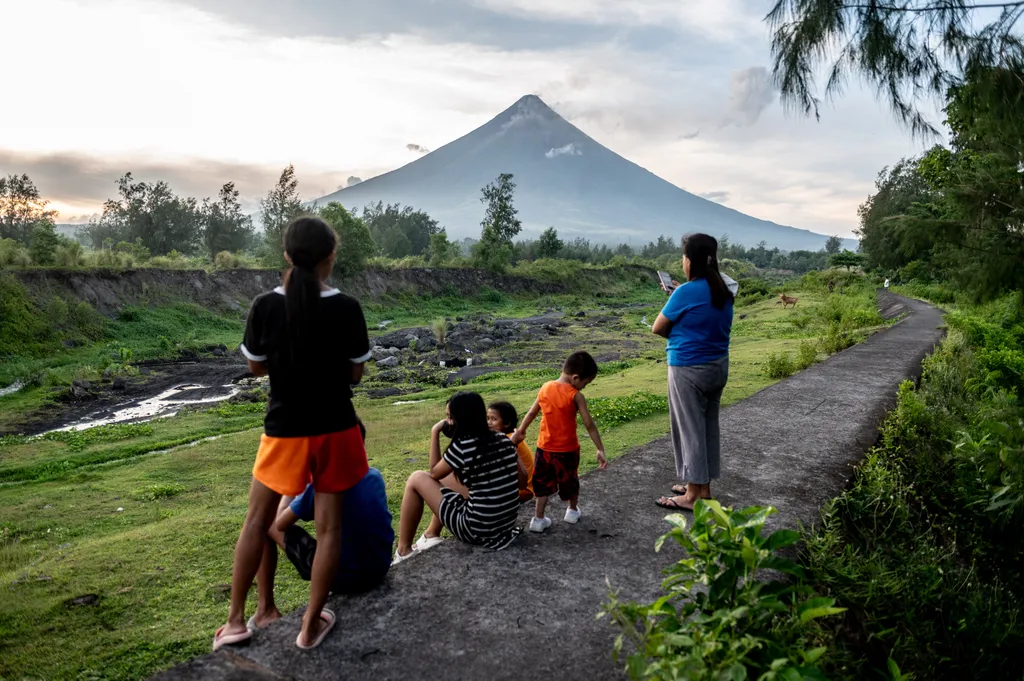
(485, 343)
(81, 383)
(743, 316)
(119, 383)
(581, 314)
(217, 352)
(80, 393)
(144, 371)
(389, 362)
(87, 599)
(454, 362)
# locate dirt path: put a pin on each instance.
(529, 611)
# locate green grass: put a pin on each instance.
(161, 565)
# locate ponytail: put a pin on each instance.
(702, 252)
(308, 241)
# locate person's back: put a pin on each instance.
(309, 385)
(558, 410)
(488, 465)
(366, 532)
(700, 331)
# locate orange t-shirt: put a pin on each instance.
(558, 425)
(526, 456)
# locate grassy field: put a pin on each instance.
(145, 517)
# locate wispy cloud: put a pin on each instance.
(568, 150)
(718, 196)
(418, 148)
(750, 92)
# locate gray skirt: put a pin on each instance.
(694, 401)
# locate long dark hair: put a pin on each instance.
(308, 241)
(702, 251)
(469, 414)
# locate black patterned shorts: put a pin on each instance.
(557, 472)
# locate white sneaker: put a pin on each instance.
(572, 516)
(539, 524)
(398, 559)
(425, 542)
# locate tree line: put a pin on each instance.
(148, 220)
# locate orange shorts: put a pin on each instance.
(333, 462)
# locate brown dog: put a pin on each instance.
(786, 300)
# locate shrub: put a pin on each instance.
(806, 355)
(70, 254)
(614, 411)
(10, 251)
(717, 620)
(778, 365)
(835, 340)
(57, 311)
(440, 329)
(226, 260)
(44, 243)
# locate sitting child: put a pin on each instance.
(502, 418)
(558, 447)
(485, 468)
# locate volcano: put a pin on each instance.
(564, 179)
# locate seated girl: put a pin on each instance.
(502, 418)
(473, 488)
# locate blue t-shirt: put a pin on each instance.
(366, 534)
(700, 331)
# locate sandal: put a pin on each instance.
(326, 616)
(671, 504)
(229, 639)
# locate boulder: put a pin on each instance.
(388, 362)
(119, 383)
(81, 383)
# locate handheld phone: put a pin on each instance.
(666, 281)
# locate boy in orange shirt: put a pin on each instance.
(558, 448)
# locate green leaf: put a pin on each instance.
(814, 613)
(739, 672)
(813, 655)
(782, 538)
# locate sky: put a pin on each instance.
(201, 92)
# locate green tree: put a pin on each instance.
(833, 245)
(500, 226)
(907, 49)
(847, 259)
(151, 215)
(442, 251)
(21, 208)
(883, 238)
(226, 228)
(44, 242)
(549, 245)
(398, 230)
(280, 206)
(355, 245)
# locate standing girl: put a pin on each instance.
(312, 341)
(696, 321)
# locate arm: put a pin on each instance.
(286, 519)
(355, 373)
(662, 326)
(439, 468)
(257, 368)
(520, 433)
(588, 423)
(524, 477)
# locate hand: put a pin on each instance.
(518, 437)
(436, 430)
(601, 461)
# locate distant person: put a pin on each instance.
(831, 286)
(312, 341)
(366, 541)
(558, 447)
(697, 321)
(502, 418)
(472, 489)
(887, 283)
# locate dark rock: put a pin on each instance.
(119, 383)
(581, 314)
(389, 362)
(254, 396)
(743, 316)
(86, 599)
(456, 362)
(217, 352)
(81, 383)
(144, 371)
(80, 393)
(485, 343)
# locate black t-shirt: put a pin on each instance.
(309, 389)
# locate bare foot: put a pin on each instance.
(310, 630)
(262, 619)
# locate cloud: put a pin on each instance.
(352, 181)
(567, 150)
(750, 92)
(718, 196)
(690, 135)
(419, 149)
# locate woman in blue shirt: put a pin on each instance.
(696, 321)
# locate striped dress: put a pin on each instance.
(489, 468)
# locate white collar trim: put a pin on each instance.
(323, 294)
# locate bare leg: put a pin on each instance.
(420, 488)
(542, 503)
(325, 562)
(275, 533)
(574, 502)
(249, 551)
(266, 611)
(452, 483)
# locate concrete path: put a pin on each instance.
(529, 611)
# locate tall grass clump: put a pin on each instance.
(778, 365)
(924, 548)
